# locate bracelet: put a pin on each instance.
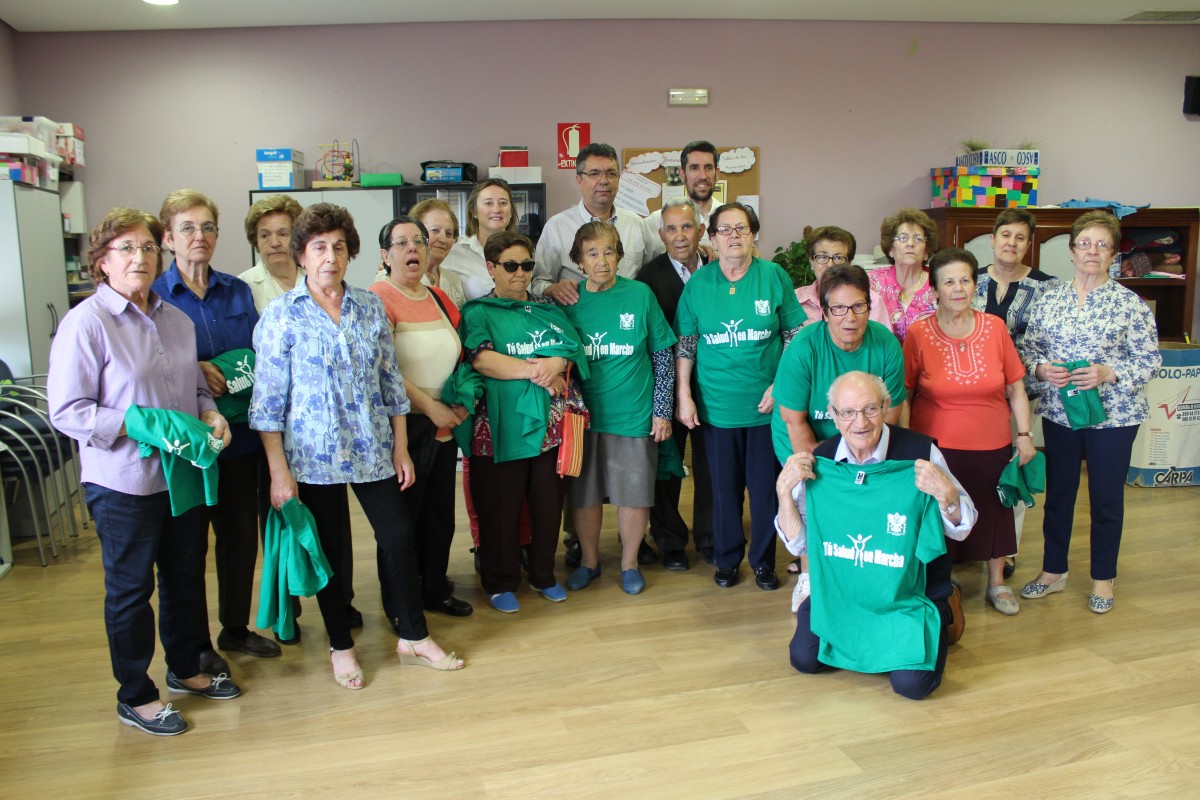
(1025, 433)
(950, 509)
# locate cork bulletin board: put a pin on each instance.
(650, 175)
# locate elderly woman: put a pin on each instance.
(521, 345)
(439, 220)
(122, 347)
(330, 406)
(222, 309)
(269, 230)
(425, 333)
(844, 340)
(965, 379)
(1009, 289)
(631, 397)
(734, 319)
(1089, 335)
(830, 246)
(908, 237)
(489, 211)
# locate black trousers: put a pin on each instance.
(387, 512)
(498, 490)
(237, 529)
(431, 506)
(667, 526)
(911, 683)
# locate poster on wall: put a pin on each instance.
(572, 137)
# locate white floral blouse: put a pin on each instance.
(1114, 327)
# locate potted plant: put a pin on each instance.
(794, 260)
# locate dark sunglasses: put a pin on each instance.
(513, 266)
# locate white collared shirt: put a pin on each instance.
(799, 545)
(553, 254)
(684, 273)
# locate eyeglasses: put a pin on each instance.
(825, 258)
(1083, 245)
(595, 174)
(513, 266)
(850, 414)
(729, 230)
(840, 311)
(189, 229)
(401, 243)
(903, 238)
(126, 249)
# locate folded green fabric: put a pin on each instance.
(1082, 406)
(187, 449)
(238, 368)
(670, 463)
(1020, 484)
(463, 388)
(293, 564)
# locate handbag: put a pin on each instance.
(570, 448)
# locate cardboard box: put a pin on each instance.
(517, 174)
(1000, 158)
(984, 187)
(70, 129)
(74, 212)
(514, 156)
(1166, 451)
(71, 150)
(280, 168)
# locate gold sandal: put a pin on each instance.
(344, 679)
(447, 663)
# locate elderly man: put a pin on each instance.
(598, 173)
(680, 229)
(698, 167)
(880, 499)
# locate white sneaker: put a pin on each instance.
(800, 592)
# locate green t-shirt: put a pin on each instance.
(238, 368)
(187, 450)
(620, 327)
(518, 410)
(739, 327)
(812, 362)
(870, 534)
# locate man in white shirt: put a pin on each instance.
(598, 173)
(698, 166)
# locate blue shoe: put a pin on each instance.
(555, 593)
(582, 577)
(632, 581)
(505, 603)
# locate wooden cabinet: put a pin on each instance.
(34, 276)
(1174, 301)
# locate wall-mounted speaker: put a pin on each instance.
(1191, 95)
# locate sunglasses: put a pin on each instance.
(513, 266)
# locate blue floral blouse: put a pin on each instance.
(1114, 327)
(331, 389)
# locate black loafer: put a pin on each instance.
(251, 644)
(212, 663)
(574, 554)
(766, 579)
(706, 554)
(354, 617)
(165, 723)
(1010, 566)
(294, 640)
(451, 606)
(646, 554)
(675, 560)
(475, 555)
(219, 687)
(726, 577)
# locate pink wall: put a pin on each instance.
(10, 100)
(849, 116)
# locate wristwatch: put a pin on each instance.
(950, 509)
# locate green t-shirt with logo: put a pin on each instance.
(739, 327)
(238, 368)
(810, 365)
(620, 328)
(870, 534)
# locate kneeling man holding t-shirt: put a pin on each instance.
(870, 506)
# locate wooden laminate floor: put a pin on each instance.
(682, 692)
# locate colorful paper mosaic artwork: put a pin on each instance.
(984, 187)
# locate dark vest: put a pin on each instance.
(906, 445)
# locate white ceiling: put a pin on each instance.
(110, 15)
